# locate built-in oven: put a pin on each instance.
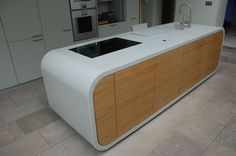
(84, 24)
(84, 19)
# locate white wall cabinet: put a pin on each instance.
(132, 14)
(23, 31)
(56, 23)
(27, 56)
(20, 19)
(112, 29)
(7, 73)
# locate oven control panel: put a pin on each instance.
(82, 4)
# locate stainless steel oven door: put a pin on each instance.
(84, 24)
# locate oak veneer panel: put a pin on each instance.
(208, 66)
(169, 61)
(210, 49)
(192, 54)
(214, 37)
(191, 65)
(167, 80)
(167, 96)
(211, 53)
(190, 77)
(168, 73)
(134, 88)
(105, 111)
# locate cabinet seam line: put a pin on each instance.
(115, 105)
(9, 52)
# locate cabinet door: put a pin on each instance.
(27, 56)
(8, 77)
(105, 111)
(167, 77)
(56, 23)
(20, 19)
(191, 66)
(134, 88)
(132, 16)
(211, 53)
(112, 29)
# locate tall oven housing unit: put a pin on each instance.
(84, 19)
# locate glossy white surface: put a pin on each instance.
(70, 78)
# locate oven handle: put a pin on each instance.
(66, 30)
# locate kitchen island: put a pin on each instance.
(106, 98)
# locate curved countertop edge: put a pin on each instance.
(101, 74)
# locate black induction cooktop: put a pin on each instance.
(104, 47)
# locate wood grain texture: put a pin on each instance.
(105, 111)
(191, 65)
(167, 81)
(200, 58)
(128, 97)
(211, 53)
(134, 89)
(214, 37)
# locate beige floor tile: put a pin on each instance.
(37, 120)
(9, 132)
(56, 132)
(29, 145)
(3, 96)
(218, 150)
(227, 137)
(228, 94)
(217, 110)
(72, 146)
(25, 93)
(200, 130)
(1, 121)
(21, 95)
(163, 125)
(187, 106)
(208, 89)
(137, 144)
(6, 105)
(177, 145)
(156, 134)
(43, 100)
(21, 111)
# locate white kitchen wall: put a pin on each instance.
(207, 15)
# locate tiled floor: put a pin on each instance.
(202, 123)
(230, 37)
(229, 54)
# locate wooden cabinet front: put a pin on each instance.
(105, 111)
(167, 79)
(134, 88)
(128, 97)
(191, 65)
(211, 53)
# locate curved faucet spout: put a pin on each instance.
(189, 22)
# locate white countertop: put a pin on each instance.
(151, 46)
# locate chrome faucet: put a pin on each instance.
(189, 22)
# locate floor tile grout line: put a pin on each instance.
(51, 146)
(13, 101)
(57, 142)
(213, 140)
(18, 138)
(43, 138)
